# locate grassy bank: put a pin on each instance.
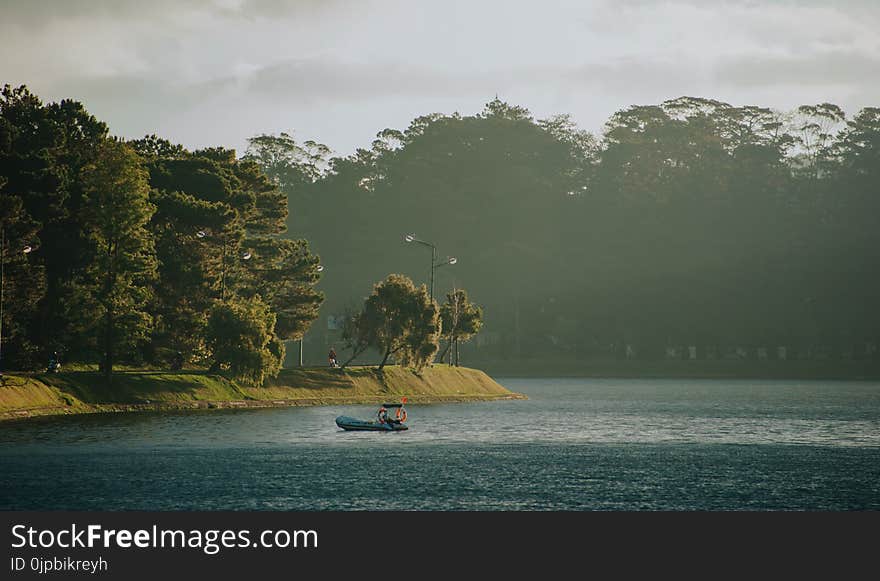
(685, 369)
(87, 392)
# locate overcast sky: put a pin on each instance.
(215, 72)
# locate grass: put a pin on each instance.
(439, 381)
(144, 386)
(86, 391)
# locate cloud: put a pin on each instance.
(336, 80)
(35, 13)
(829, 69)
(209, 71)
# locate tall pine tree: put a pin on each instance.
(114, 288)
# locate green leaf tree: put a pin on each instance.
(401, 320)
(355, 335)
(22, 283)
(188, 273)
(242, 340)
(284, 273)
(43, 149)
(115, 286)
(218, 230)
(461, 320)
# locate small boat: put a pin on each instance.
(383, 422)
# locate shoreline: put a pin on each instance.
(40, 395)
(23, 414)
(860, 370)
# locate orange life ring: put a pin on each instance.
(401, 415)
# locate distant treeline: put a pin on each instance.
(141, 252)
(689, 223)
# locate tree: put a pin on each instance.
(501, 178)
(401, 320)
(461, 320)
(287, 162)
(188, 273)
(284, 273)
(815, 127)
(43, 149)
(292, 167)
(115, 287)
(22, 284)
(212, 211)
(355, 335)
(241, 338)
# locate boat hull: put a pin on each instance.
(355, 425)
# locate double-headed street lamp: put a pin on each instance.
(246, 255)
(24, 250)
(434, 264)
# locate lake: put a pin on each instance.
(576, 444)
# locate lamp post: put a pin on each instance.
(246, 255)
(24, 250)
(319, 268)
(448, 260)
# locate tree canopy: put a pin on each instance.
(400, 320)
(461, 320)
(137, 244)
(688, 222)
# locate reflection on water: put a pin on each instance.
(575, 444)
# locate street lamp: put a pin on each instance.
(245, 255)
(25, 250)
(449, 260)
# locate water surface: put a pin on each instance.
(576, 444)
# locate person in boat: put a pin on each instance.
(382, 415)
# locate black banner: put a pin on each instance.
(134, 545)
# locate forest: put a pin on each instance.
(689, 229)
(142, 253)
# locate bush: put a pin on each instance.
(242, 340)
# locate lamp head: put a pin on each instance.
(201, 234)
(409, 237)
(27, 249)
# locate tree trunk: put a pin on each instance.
(108, 316)
(385, 359)
(445, 351)
(354, 354)
(108, 344)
